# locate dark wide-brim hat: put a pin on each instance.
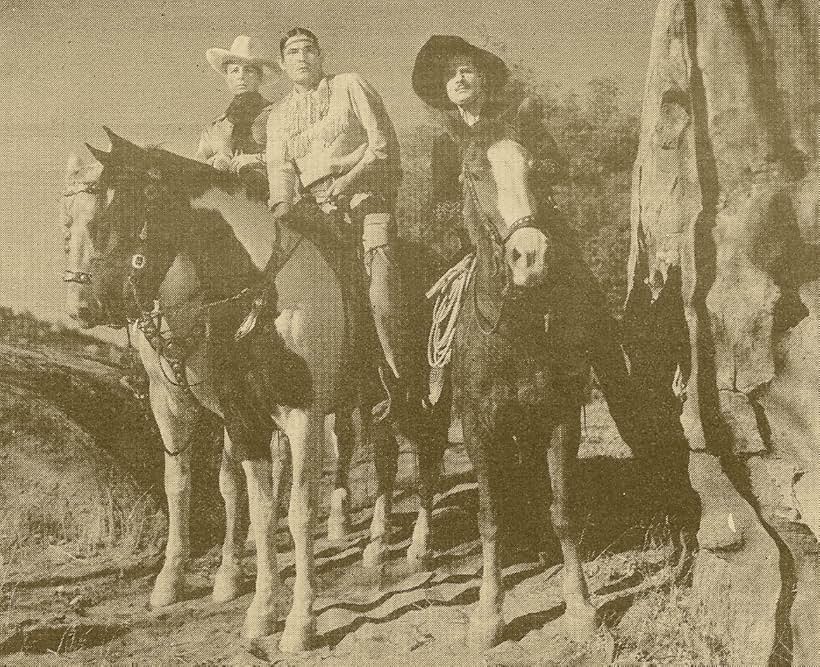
(431, 68)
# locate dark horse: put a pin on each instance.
(533, 322)
(168, 248)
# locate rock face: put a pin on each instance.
(724, 216)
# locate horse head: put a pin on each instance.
(143, 222)
(498, 195)
(81, 203)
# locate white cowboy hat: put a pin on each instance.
(244, 50)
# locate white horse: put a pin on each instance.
(310, 323)
(118, 234)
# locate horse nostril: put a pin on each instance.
(531, 259)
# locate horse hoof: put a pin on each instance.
(167, 591)
(485, 631)
(226, 583)
(260, 621)
(581, 622)
(299, 634)
(374, 554)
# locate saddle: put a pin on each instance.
(338, 242)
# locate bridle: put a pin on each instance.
(79, 277)
(173, 350)
(524, 222)
(499, 240)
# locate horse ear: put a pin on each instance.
(101, 156)
(127, 153)
(120, 145)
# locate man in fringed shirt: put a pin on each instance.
(331, 139)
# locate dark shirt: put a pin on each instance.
(523, 123)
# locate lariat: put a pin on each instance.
(449, 291)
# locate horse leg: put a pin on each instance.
(176, 421)
(304, 431)
(431, 445)
(580, 615)
(226, 581)
(338, 521)
(385, 458)
(487, 621)
(263, 612)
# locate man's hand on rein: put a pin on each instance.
(221, 162)
(339, 187)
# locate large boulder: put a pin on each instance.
(724, 213)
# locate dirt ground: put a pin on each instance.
(97, 615)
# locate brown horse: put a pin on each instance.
(532, 324)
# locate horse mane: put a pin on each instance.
(223, 264)
(197, 177)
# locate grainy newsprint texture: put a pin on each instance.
(409, 332)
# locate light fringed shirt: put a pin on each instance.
(319, 134)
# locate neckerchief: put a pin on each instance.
(241, 112)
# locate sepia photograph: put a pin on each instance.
(404, 332)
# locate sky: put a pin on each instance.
(71, 66)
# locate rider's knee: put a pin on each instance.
(378, 230)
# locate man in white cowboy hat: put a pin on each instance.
(228, 143)
(331, 139)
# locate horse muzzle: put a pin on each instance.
(84, 312)
(526, 253)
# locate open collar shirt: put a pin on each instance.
(318, 134)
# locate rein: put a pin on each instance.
(90, 188)
(489, 328)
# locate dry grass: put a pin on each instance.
(32, 524)
(662, 625)
(68, 503)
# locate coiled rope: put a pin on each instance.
(449, 291)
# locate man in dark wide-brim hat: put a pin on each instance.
(471, 90)
(469, 87)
